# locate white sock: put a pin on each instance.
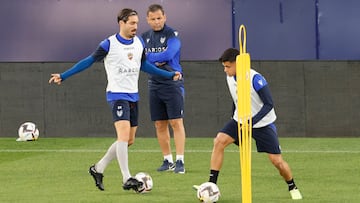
(107, 158)
(122, 157)
(169, 158)
(180, 157)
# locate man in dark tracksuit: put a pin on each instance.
(166, 97)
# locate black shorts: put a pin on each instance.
(166, 103)
(265, 137)
(125, 110)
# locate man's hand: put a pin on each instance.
(55, 78)
(177, 76)
(158, 64)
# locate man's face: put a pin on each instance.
(229, 68)
(156, 20)
(128, 29)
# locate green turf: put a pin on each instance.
(55, 170)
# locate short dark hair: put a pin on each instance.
(125, 13)
(155, 7)
(229, 55)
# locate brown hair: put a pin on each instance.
(125, 13)
(155, 7)
(229, 55)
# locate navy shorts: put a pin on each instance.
(265, 137)
(125, 110)
(166, 103)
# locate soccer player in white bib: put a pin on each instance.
(263, 130)
(124, 57)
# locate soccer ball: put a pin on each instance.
(28, 131)
(208, 192)
(147, 181)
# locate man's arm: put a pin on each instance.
(85, 63)
(263, 90)
(98, 55)
(78, 67)
(173, 46)
(147, 67)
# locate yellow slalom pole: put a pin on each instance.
(244, 115)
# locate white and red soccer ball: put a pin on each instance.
(147, 181)
(28, 131)
(208, 192)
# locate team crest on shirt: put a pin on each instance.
(130, 56)
(147, 40)
(162, 40)
(119, 111)
(261, 83)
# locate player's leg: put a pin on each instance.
(285, 172)
(179, 138)
(117, 150)
(133, 183)
(122, 154)
(225, 137)
(125, 122)
(106, 159)
(221, 141)
(132, 135)
(281, 165)
(267, 141)
(98, 169)
(163, 137)
(126, 131)
(134, 115)
(123, 134)
(174, 101)
(179, 135)
(160, 118)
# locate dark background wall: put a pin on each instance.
(68, 30)
(312, 99)
(299, 30)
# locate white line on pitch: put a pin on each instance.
(157, 151)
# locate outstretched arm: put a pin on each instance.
(78, 67)
(85, 63)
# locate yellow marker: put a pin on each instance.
(244, 115)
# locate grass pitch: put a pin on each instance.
(55, 170)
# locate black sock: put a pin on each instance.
(291, 184)
(213, 176)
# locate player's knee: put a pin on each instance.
(130, 142)
(161, 125)
(176, 123)
(219, 142)
(276, 160)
